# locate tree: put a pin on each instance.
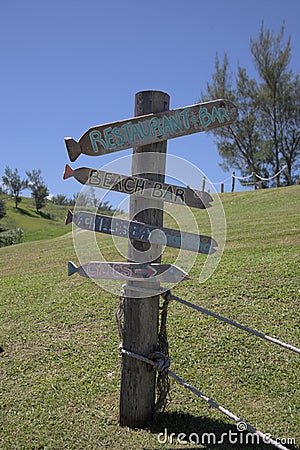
(13, 184)
(60, 199)
(266, 135)
(240, 144)
(2, 208)
(39, 190)
(289, 131)
(271, 59)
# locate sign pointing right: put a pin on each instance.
(142, 232)
(129, 271)
(141, 186)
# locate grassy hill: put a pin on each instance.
(49, 223)
(60, 364)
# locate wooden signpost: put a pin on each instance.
(151, 128)
(142, 232)
(129, 271)
(141, 186)
(147, 133)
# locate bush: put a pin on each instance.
(2, 208)
(11, 237)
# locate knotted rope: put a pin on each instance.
(160, 358)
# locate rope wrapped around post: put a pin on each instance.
(158, 359)
(162, 363)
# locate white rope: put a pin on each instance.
(266, 437)
(235, 324)
(243, 178)
(164, 365)
(258, 176)
(274, 176)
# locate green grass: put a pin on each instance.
(47, 224)
(60, 368)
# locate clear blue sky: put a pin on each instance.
(69, 65)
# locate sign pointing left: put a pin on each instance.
(129, 271)
(152, 128)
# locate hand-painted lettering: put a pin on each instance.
(179, 193)
(107, 136)
(155, 128)
(140, 185)
(94, 178)
(169, 193)
(118, 135)
(175, 121)
(185, 118)
(223, 113)
(118, 183)
(91, 270)
(129, 185)
(157, 190)
(89, 223)
(215, 115)
(95, 137)
(107, 182)
(126, 127)
(142, 128)
(167, 125)
(204, 117)
(136, 132)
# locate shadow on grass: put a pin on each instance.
(32, 213)
(25, 212)
(45, 215)
(204, 433)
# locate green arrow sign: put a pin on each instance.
(142, 232)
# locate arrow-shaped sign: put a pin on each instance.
(142, 232)
(141, 186)
(151, 128)
(129, 271)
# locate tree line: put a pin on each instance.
(13, 184)
(266, 135)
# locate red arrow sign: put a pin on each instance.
(147, 272)
(151, 128)
(129, 271)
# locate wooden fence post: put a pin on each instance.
(140, 329)
(233, 182)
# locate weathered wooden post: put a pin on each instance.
(254, 180)
(233, 182)
(222, 188)
(147, 133)
(140, 331)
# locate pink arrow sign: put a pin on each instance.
(129, 271)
